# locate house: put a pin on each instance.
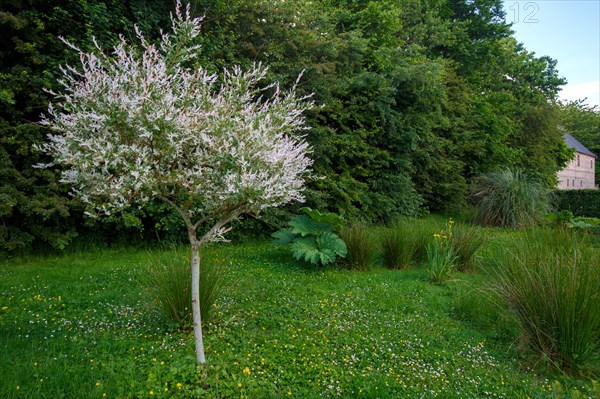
(580, 172)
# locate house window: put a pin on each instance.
(580, 183)
(577, 159)
(567, 182)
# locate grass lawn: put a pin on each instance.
(79, 326)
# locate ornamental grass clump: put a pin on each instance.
(441, 255)
(168, 281)
(362, 247)
(466, 240)
(398, 246)
(405, 242)
(551, 281)
(510, 198)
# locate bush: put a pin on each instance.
(551, 281)
(580, 202)
(362, 247)
(168, 280)
(510, 198)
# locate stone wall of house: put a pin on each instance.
(578, 174)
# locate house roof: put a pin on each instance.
(574, 143)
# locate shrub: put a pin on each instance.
(313, 237)
(362, 247)
(580, 202)
(551, 281)
(441, 255)
(510, 198)
(168, 280)
(466, 240)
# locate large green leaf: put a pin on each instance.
(304, 226)
(306, 248)
(283, 236)
(331, 242)
(327, 218)
(320, 249)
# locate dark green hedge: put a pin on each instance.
(580, 202)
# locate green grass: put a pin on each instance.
(79, 326)
(551, 282)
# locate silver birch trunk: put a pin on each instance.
(195, 265)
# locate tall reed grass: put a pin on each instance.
(551, 281)
(510, 198)
(398, 248)
(405, 242)
(168, 281)
(466, 240)
(362, 245)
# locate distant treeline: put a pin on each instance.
(415, 98)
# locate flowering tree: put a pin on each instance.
(139, 124)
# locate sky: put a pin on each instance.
(569, 32)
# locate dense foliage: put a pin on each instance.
(34, 207)
(415, 98)
(580, 202)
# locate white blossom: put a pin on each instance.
(138, 124)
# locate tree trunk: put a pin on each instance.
(195, 264)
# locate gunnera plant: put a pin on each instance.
(362, 247)
(168, 280)
(510, 198)
(550, 280)
(313, 237)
